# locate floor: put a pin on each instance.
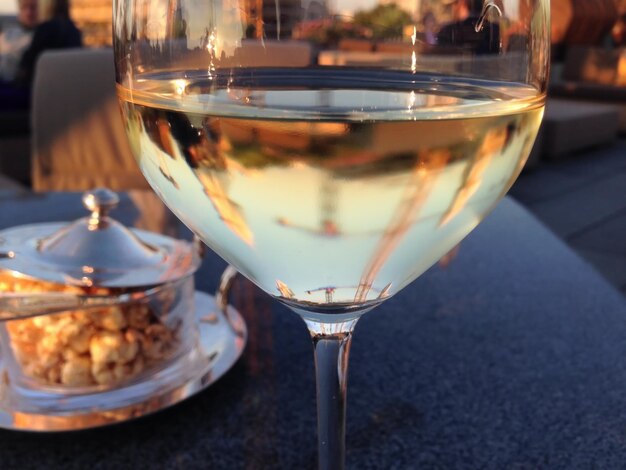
(582, 198)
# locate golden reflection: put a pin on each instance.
(422, 180)
(180, 86)
(284, 289)
(225, 207)
(493, 144)
(211, 49)
(411, 100)
(414, 54)
(203, 148)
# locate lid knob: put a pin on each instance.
(100, 202)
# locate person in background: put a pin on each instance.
(430, 28)
(59, 32)
(15, 39)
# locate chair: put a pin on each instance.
(78, 137)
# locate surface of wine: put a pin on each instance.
(336, 196)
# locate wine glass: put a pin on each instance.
(331, 150)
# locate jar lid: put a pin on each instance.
(96, 250)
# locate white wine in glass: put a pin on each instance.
(331, 158)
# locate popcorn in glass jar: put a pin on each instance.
(99, 346)
(96, 256)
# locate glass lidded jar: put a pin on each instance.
(106, 304)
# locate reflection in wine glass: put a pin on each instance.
(331, 152)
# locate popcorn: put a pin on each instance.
(76, 372)
(138, 316)
(93, 347)
(105, 347)
(102, 374)
(111, 319)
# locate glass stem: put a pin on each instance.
(331, 347)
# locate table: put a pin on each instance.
(512, 357)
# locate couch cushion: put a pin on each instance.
(571, 126)
(591, 65)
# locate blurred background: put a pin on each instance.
(574, 22)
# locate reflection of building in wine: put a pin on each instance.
(494, 141)
(422, 180)
(228, 211)
(175, 138)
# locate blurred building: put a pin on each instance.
(573, 21)
(413, 7)
(93, 18)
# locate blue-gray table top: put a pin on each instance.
(514, 356)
